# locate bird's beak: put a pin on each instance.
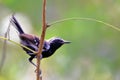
(66, 42)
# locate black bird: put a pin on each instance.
(32, 42)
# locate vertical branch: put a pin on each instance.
(4, 48)
(41, 39)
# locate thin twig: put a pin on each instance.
(89, 19)
(41, 39)
(4, 48)
(18, 44)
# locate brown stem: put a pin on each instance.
(41, 39)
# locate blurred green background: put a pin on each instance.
(94, 53)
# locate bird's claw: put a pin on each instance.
(40, 72)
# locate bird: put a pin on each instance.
(32, 42)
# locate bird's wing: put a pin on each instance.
(46, 46)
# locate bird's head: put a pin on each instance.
(57, 42)
(54, 44)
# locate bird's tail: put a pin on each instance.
(16, 25)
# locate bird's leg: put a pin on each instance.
(30, 60)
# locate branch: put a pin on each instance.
(4, 48)
(88, 19)
(41, 39)
(18, 44)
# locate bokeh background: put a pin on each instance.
(94, 53)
